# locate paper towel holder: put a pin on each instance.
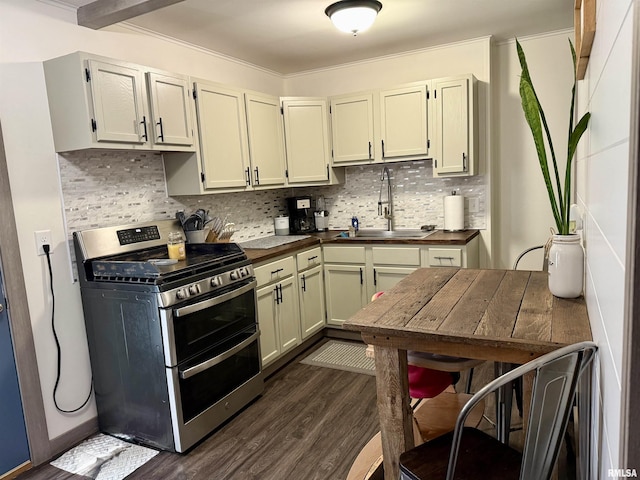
(454, 213)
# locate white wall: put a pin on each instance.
(602, 175)
(30, 32)
(523, 213)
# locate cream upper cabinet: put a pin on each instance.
(455, 138)
(118, 95)
(306, 140)
(404, 123)
(170, 102)
(98, 102)
(266, 140)
(222, 128)
(352, 128)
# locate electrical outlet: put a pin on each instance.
(43, 237)
(473, 205)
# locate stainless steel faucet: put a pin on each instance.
(388, 210)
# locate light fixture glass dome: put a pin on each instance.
(353, 16)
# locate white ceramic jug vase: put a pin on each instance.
(566, 266)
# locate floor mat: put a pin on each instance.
(340, 355)
(104, 457)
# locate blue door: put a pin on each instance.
(14, 449)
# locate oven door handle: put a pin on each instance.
(196, 307)
(190, 372)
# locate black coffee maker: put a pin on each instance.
(301, 215)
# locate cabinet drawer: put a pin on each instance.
(344, 254)
(409, 256)
(309, 258)
(274, 271)
(445, 257)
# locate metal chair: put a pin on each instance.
(471, 453)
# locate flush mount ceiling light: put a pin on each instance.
(353, 16)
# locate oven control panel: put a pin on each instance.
(206, 285)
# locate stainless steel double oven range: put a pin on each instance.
(174, 346)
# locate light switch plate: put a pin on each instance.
(473, 205)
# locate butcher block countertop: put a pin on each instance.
(257, 255)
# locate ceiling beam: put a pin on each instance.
(101, 13)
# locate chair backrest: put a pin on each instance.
(545, 265)
(556, 378)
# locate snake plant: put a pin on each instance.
(559, 196)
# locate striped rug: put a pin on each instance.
(341, 355)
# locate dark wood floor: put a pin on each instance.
(310, 423)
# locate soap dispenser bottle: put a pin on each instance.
(354, 223)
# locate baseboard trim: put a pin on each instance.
(16, 471)
(74, 436)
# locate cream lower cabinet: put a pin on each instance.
(345, 281)
(311, 291)
(278, 311)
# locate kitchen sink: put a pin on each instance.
(372, 233)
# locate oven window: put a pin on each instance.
(204, 389)
(208, 327)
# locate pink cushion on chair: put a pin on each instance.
(427, 383)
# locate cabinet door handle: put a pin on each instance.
(257, 176)
(144, 124)
(369, 150)
(277, 299)
(277, 271)
(312, 258)
(444, 258)
(361, 278)
(464, 162)
(375, 277)
(248, 176)
(161, 136)
(280, 288)
(382, 148)
(304, 283)
(328, 176)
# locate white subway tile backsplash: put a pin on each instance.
(102, 188)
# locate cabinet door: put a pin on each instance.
(288, 316)
(118, 93)
(452, 127)
(403, 122)
(170, 109)
(312, 312)
(385, 278)
(266, 141)
(223, 136)
(267, 320)
(352, 128)
(346, 291)
(306, 140)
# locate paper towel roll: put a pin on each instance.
(454, 213)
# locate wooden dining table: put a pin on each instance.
(497, 315)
